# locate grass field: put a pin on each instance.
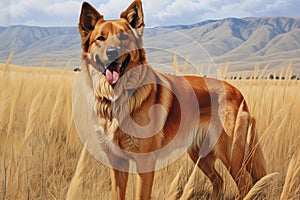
(41, 155)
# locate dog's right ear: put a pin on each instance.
(88, 18)
(135, 16)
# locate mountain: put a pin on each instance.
(36, 46)
(241, 43)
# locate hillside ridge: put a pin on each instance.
(240, 42)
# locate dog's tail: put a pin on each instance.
(254, 158)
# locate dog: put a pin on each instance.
(141, 111)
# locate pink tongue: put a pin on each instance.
(112, 77)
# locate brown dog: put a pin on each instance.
(142, 111)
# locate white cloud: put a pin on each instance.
(44, 12)
(113, 8)
(5, 12)
(192, 11)
(157, 12)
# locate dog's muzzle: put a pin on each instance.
(114, 70)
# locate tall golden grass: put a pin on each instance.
(41, 155)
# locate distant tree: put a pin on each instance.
(294, 77)
(76, 69)
(271, 77)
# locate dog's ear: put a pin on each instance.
(88, 19)
(135, 16)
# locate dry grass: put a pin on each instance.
(41, 156)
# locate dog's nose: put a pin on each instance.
(112, 54)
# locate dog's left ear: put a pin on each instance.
(135, 16)
(88, 18)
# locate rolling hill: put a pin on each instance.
(242, 43)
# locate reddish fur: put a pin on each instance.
(230, 151)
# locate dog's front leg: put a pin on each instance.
(144, 186)
(145, 180)
(119, 179)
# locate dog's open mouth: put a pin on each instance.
(114, 70)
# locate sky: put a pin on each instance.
(47, 13)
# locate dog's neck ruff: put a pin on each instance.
(126, 96)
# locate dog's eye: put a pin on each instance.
(123, 36)
(101, 38)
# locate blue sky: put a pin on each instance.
(157, 12)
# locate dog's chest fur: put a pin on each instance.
(119, 114)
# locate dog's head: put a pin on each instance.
(113, 46)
